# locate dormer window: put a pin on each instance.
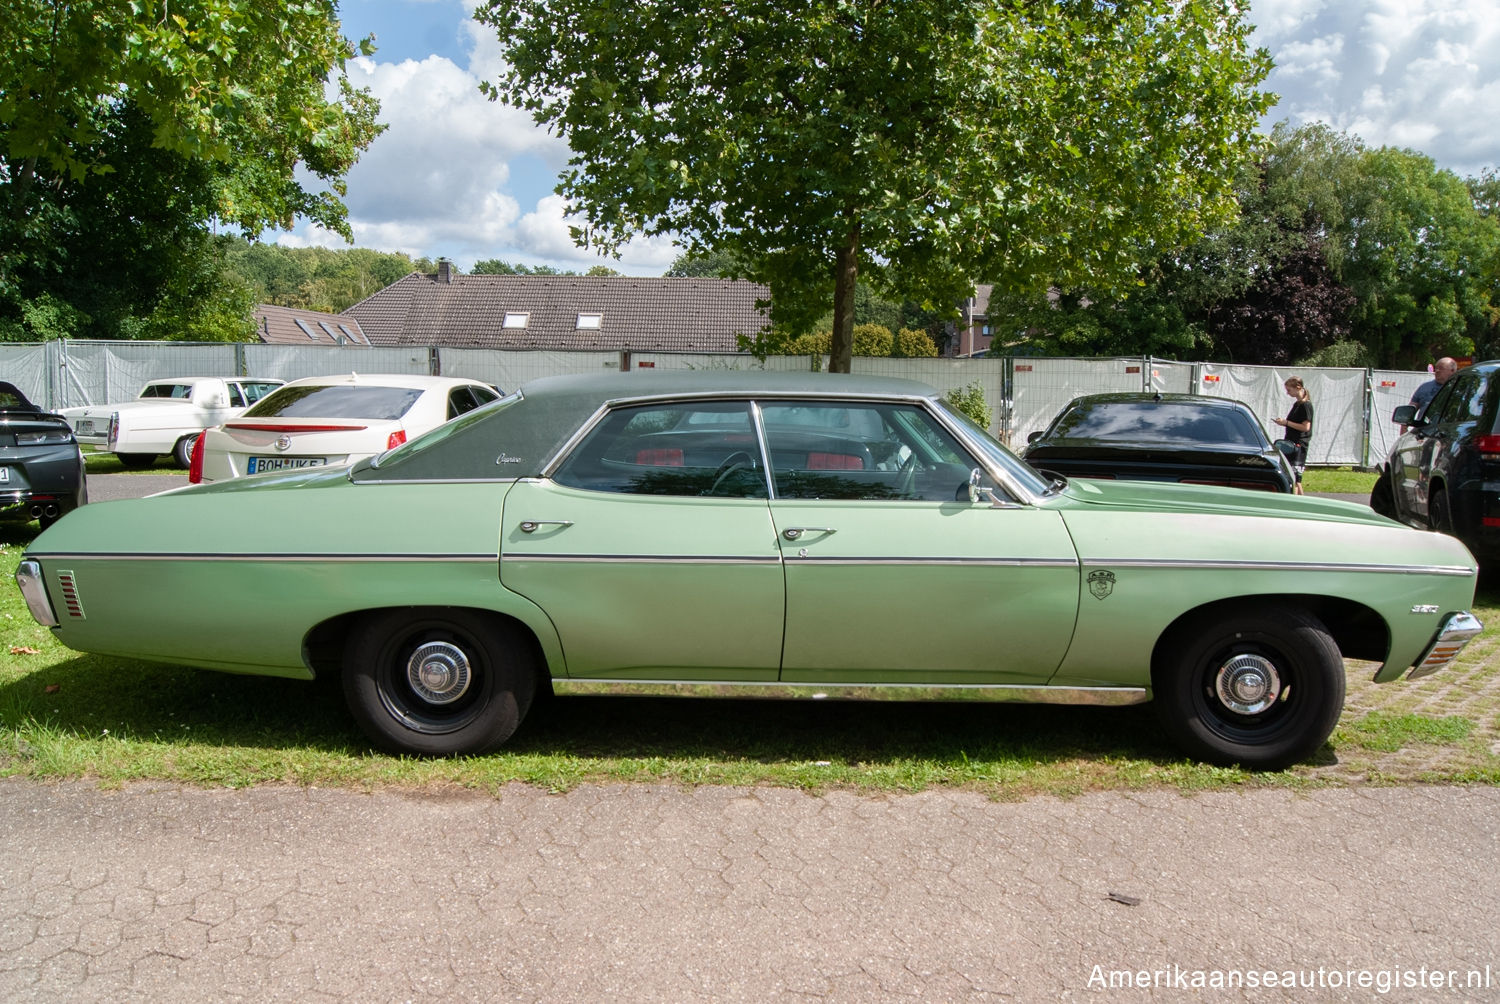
(590, 322)
(515, 320)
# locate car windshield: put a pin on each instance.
(1165, 422)
(336, 401)
(998, 455)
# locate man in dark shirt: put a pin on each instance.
(1441, 371)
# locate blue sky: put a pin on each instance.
(458, 176)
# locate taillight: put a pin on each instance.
(395, 439)
(114, 430)
(1489, 447)
(195, 462)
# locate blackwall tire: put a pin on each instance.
(1262, 688)
(437, 681)
(1382, 499)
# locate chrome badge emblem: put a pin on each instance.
(284, 443)
(1101, 584)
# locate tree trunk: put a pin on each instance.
(841, 355)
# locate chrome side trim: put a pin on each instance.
(677, 559)
(269, 556)
(647, 559)
(29, 578)
(775, 690)
(434, 481)
(1279, 566)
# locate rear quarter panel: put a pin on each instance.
(235, 580)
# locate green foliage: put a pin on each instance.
(314, 278)
(912, 344)
(914, 145)
(971, 401)
(128, 132)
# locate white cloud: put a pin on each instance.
(1423, 74)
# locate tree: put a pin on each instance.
(918, 144)
(148, 125)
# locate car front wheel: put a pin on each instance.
(437, 682)
(1263, 688)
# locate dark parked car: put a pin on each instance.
(1444, 472)
(1161, 437)
(41, 467)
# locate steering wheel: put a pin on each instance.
(737, 461)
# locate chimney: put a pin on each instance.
(445, 271)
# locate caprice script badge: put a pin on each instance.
(506, 458)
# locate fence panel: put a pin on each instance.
(292, 362)
(1389, 390)
(508, 370)
(1339, 398)
(30, 369)
(1042, 386)
(1352, 406)
(102, 372)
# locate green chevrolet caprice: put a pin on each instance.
(789, 535)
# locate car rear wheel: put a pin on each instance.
(1382, 499)
(1263, 688)
(182, 453)
(1441, 512)
(136, 461)
(437, 681)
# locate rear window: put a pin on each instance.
(173, 390)
(1157, 422)
(338, 401)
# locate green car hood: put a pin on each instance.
(1208, 500)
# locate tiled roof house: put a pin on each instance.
(613, 313)
(293, 326)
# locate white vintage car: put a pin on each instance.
(165, 417)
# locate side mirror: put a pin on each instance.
(979, 493)
(1032, 437)
(1404, 415)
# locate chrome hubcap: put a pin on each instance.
(1248, 684)
(439, 672)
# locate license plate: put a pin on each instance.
(85, 427)
(260, 465)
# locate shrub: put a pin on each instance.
(970, 400)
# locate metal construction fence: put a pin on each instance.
(1353, 406)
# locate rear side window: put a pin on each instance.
(173, 390)
(339, 401)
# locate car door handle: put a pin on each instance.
(793, 532)
(532, 525)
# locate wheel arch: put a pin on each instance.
(323, 647)
(1358, 630)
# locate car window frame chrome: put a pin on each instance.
(1019, 494)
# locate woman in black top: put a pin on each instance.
(1298, 426)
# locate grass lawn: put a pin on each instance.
(108, 463)
(1338, 479)
(63, 714)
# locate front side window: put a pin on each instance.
(867, 451)
(692, 448)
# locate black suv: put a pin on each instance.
(1444, 472)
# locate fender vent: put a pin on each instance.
(70, 593)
